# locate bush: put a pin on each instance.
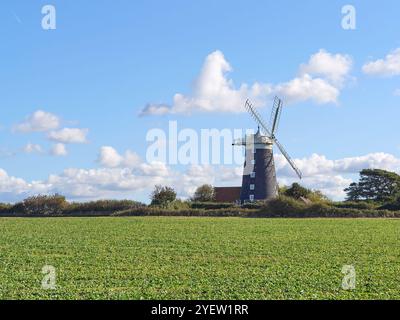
(162, 196)
(254, 205)
(102, 206)
(5, 208)
(392, 206)
(318, 196)
(283, 206)
(156, 211)
(296, 191)
(178, 205)
(204, 193)
(43, 205)
(212, 205)
(17, 208)
(361, 205)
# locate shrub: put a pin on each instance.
(162, 196)
(361, 205)
(157, 211)
(102, 206)
(283, 206)
(178, 205)
(254, 205)
(317, 196)
(212, 205)
(5, 208)
(296, 191)
(17, 208)
(204, 193)
(43, 205)
(392, 206)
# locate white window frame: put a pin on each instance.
(253, 161)
(252, 175)
(251, 197)
(252, 187)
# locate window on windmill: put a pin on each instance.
(252, 175)
(253, 161)
(251, 197)
(252, 187)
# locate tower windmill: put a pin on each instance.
(259, 176)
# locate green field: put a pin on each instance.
(199, 258)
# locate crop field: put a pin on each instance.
(199, 258)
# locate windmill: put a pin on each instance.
(259, 176)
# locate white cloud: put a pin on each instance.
(331, 176)
(32, 148)
(110, 158)
(319, 164)
(126, 176)
(155, 110)
(334, 67)
(59, 150)
(397, 92)
(319, 80)
(307, 88)
(389, 66)
(12, 187)
(39, 121)
(212, 91)
(69, 135)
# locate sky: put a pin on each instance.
(79, 97)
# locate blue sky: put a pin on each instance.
(107, 60)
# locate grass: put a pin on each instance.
(199, 258)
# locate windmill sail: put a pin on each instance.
(286, 155)
(275, 115)
(257, 117)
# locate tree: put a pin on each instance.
(374, 185)
(44, 205)
(297, 191)
(162, 196)
(204, 193)
(353, 192)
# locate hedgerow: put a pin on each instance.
(283, 206)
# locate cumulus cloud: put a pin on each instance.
(58, 150)
(212, 91)
(110, 158)
(307, 88)
(125, 175)
(155, 109)
(389, 66)
(39, 121)
(319, 80)
(32, 148)
(331, 176)
(69, 135)
(12, 187)
(333, 67)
